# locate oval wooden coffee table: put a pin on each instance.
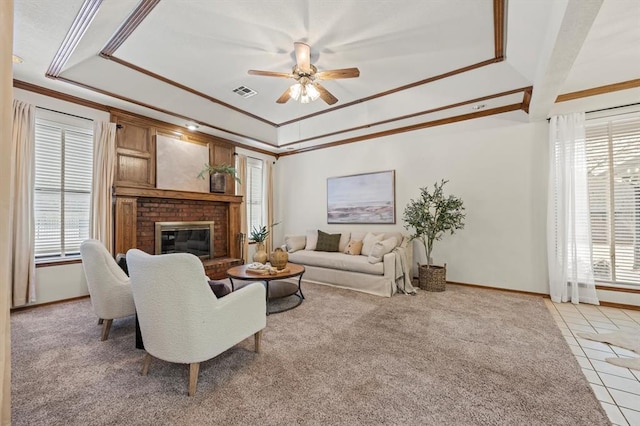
(276, 288)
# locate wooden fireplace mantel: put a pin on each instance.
(127, 217)
(134, 191)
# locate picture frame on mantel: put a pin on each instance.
(366, 198)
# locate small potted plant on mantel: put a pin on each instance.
(219, 175)
(431, 216)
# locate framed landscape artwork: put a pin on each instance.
(363, 198)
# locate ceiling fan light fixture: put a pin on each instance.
(295, 91)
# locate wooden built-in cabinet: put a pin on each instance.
(136, 177)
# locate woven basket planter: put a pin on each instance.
(432, 278)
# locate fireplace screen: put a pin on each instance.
(185, 237)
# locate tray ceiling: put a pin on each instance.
(420, 61)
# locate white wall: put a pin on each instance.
(498, 168)
(63, 281)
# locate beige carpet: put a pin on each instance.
(621, 339)
(465, 356)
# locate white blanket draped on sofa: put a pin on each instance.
(403, 271)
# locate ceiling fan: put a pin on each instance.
(307, 75)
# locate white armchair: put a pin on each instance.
(181, 320)
(109, 287)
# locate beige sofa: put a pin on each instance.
(382, 269)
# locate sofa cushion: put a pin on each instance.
(354, 248)
(327, 242)
(368, 242)
(339, 261)
(345, 237)
(312, 239)
(381, 248)
(219, 288)
(295, 242)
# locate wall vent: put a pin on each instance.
(245, 92)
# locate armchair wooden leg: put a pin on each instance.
(100, 321)
(146, 363)
(193, 377)
(106, 326)
(258, 341)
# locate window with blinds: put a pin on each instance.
(255, 193)
(62, 189)
(613, 165)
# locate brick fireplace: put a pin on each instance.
(138, 209)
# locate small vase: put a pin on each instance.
(279, 259)
(260, 255)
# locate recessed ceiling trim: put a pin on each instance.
(624, 85)
(83, 19)
(499, 23)
(186, 88)
(18, 84)
(419, 126)
(397, 89)
(404, 117)
(128, 26)
(499, 20)
(162, 110)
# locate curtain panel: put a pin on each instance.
(569, 248)
(23, 233)
(104, 164)
(241, 168)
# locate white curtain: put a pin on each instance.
(6, 162)
(268, 186)
(241, 168)
(23, 239)
(104, 164)
(568, 225)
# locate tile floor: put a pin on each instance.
(617, 388)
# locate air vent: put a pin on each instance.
(245, 92)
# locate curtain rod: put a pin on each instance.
(65, 113)
(607, 109)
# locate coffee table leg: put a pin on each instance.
(232, 287)
(267, 301)
(300, 285)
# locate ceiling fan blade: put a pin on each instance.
(325, 94)
(270, 73)
(335, 74)
(303, 56)
(284, 97)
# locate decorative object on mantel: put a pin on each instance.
(431, 216)
(258, 235)
(218, 175)
(279, 258)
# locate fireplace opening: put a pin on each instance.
(185, 237)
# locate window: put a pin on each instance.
(62, 189)
(613, 167)
(255, 193)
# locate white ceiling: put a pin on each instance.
(186, 57)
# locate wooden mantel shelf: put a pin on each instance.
(132, 191)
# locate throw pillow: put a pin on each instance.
(312, 240)
(345, 237)
(219, 288)
(327, 242)
(295, 242)
(354, 248)
(369, 241)
(381, 248)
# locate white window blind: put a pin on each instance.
(613, 165)
(62, 189)
(255, 193)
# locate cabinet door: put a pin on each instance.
(135, 152)
(126, 215)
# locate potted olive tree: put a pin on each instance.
(219, 175)
(431, 216)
